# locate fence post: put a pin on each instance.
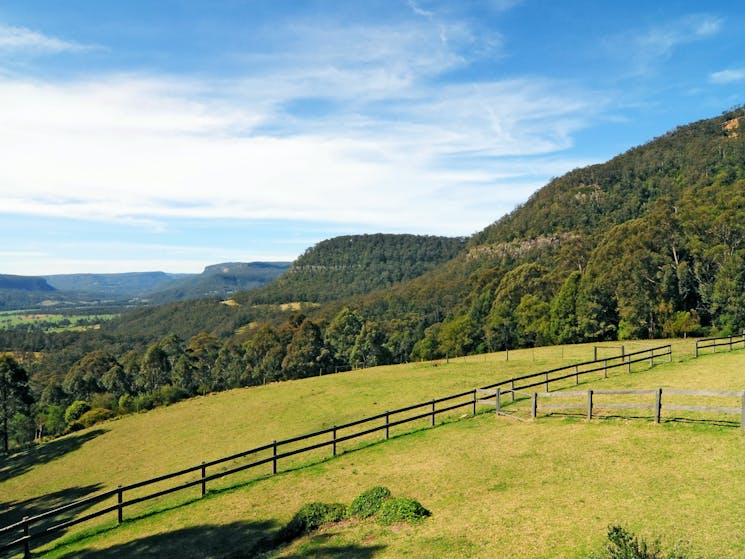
(274, 457)
(576, 375)
(651, 358)
(27, 541)
(119, 501)
(605, 368)
(534, 406)
(432, 422)
(658, 405)
(387, 422)
(696, 352)
(512, 389)
(547, 382)
(333, 431)
(628, 365)
(474, 401)
(204, 482)
(589, 405)
(498, 400)
(623, 351)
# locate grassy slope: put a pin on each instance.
(542, 489)
(166, 439)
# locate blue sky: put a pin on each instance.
(172, 135)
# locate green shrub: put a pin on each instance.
(623, 544)
(126, 404)
(104, 400)
(52, 418)
(311, 517)
(401, 509)
(95, 415)
(368, 502)
(170, 394)
(143, 402)
(75, 410)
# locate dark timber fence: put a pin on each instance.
(42, 527)
(656, 400)
(713, 343)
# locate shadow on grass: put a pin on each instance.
(19, 463)
(237, 540)
(208, 541)
(317, 549)
(704, 422)
(14, 511)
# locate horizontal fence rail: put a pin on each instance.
(492, 394)
(713, 343)
(655, 399)
(42, 526)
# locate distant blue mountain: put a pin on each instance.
(24, 283)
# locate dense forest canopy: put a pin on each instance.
(356, 264)
(650, 244)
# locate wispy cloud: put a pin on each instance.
(399, 147)
(645, 48)
(132, 148)
(732, 75)
(20, 39)
(662, 41)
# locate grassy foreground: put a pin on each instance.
(496, 487)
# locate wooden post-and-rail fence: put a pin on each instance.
(660, 402)
(713, 343)
(44, 525)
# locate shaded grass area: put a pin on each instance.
(207, 541)
(21, 462)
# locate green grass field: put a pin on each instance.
(52, 322)
(501, 487)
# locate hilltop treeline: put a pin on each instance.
(356, 264)
(650, 244)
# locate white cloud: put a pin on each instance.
(728, 76)
(22, 39)
(644, 49)
(141, 149)
(391, 152)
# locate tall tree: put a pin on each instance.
(15, 395)
(305, 353)
(341, 334)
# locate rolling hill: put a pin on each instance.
(557, 482)
(651, 243)
(81, 291)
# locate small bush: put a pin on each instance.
(75, 410)
(623, 544)
(104, 400)
(126, 404)
(95, 415)
(143, 402)
(368, 502)
(170, 394)
(311, 517)
(402, 509)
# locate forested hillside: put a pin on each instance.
(356, 264)
(219, 280)
(650, 244)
